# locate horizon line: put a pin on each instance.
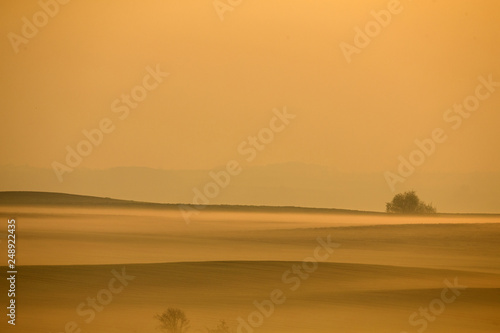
(115, 201)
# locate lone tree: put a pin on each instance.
(408, 203)
(221, 328)
(173, 321)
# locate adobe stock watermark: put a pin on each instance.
(93, 138)
(31, 27)
(223, 6)
(454, 117)
(364, 36)
(89, 309)
(249, 149)
(293, 278)
(421, 319)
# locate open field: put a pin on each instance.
(380, 271)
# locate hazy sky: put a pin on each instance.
(227, 76)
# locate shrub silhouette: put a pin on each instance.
(408, 203)
(173, 321)
(221, 328)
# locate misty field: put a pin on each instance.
(111, 269)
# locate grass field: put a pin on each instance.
(383, 274)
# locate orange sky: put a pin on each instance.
(227, 76)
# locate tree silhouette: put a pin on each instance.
(173, 321)
(221, 328)
(408, 203)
